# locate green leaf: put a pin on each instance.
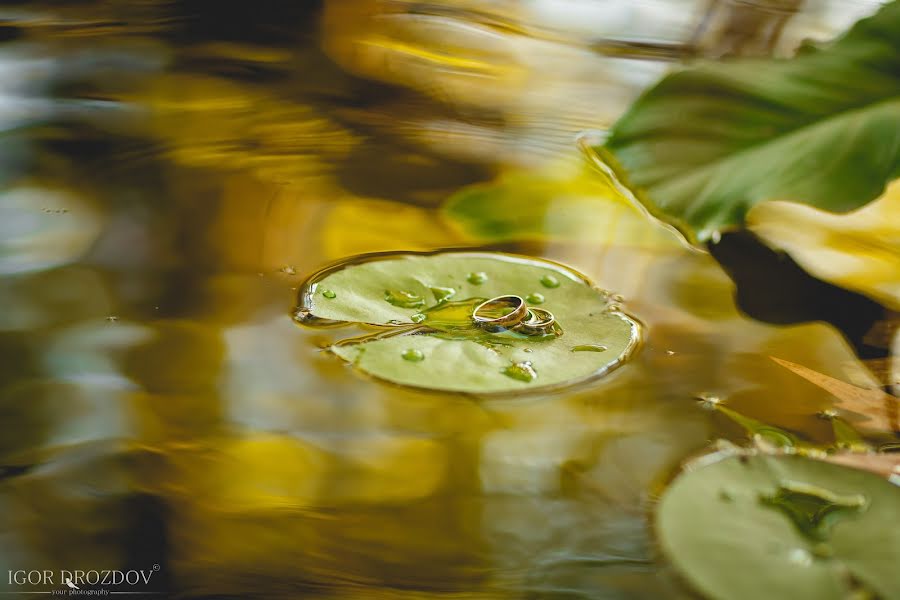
(706, 144)
(439, 347)
(782, 527)
(567, 203)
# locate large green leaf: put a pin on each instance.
(782, 527)
(422, 305)
(706, 144)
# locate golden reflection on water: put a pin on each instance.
(159, 405)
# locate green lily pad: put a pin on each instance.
(422, 305)
(706, 144)
(782, 527)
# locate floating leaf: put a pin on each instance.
(860, 250)
(567, 204)
(706, 144)
(874, 410)
(451, 352)
(782, 527)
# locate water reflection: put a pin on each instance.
(164, 162)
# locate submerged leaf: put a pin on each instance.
(782, 527)
(706, 144)
(875, 409)
(451, 352)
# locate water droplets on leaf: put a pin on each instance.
(535, 298)
(800, 556)
(409, 293)
(329, 294)
(521, 371)
(413, 355)
(477, 277)
(549, 281)
(590, 348)
(404, 299)
(442, 294)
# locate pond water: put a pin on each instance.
(173, 171)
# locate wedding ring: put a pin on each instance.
(502, 312)
(537, 322)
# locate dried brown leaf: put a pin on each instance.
(870, 411)
(885, 465)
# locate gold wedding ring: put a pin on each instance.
(537, 322)
(502, 312)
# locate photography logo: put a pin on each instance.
(94, 582)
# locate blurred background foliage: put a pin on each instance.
(172, 170)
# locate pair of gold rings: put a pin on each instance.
(511, 312)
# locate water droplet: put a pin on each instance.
(534, 298)
(288, 270)
(442, 294)
(590, 348)
(812, 509)
(112, 318)
(477, 278)
(529, 350)
(670, 352)
(549, 281)
(801, 557)
(827, 414)
(329, 294)
(617, 298)
(418, 318)
(715, 237)
(726, 495)
(822, 550)
(413, 355)
(396, 322)
(403, 299)
(523, 371)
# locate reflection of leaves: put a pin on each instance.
(860, 251)
(714, 526)
(705, 145)
(357, 226)
(454, 354)
(878, 409)
(43, 228)
(559, 206)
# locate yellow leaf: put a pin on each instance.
(859, 250)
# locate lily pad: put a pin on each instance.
(422, 305)
(706, 144)
(782, 527)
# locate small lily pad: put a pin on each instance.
(457, 355)
(782, 527)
